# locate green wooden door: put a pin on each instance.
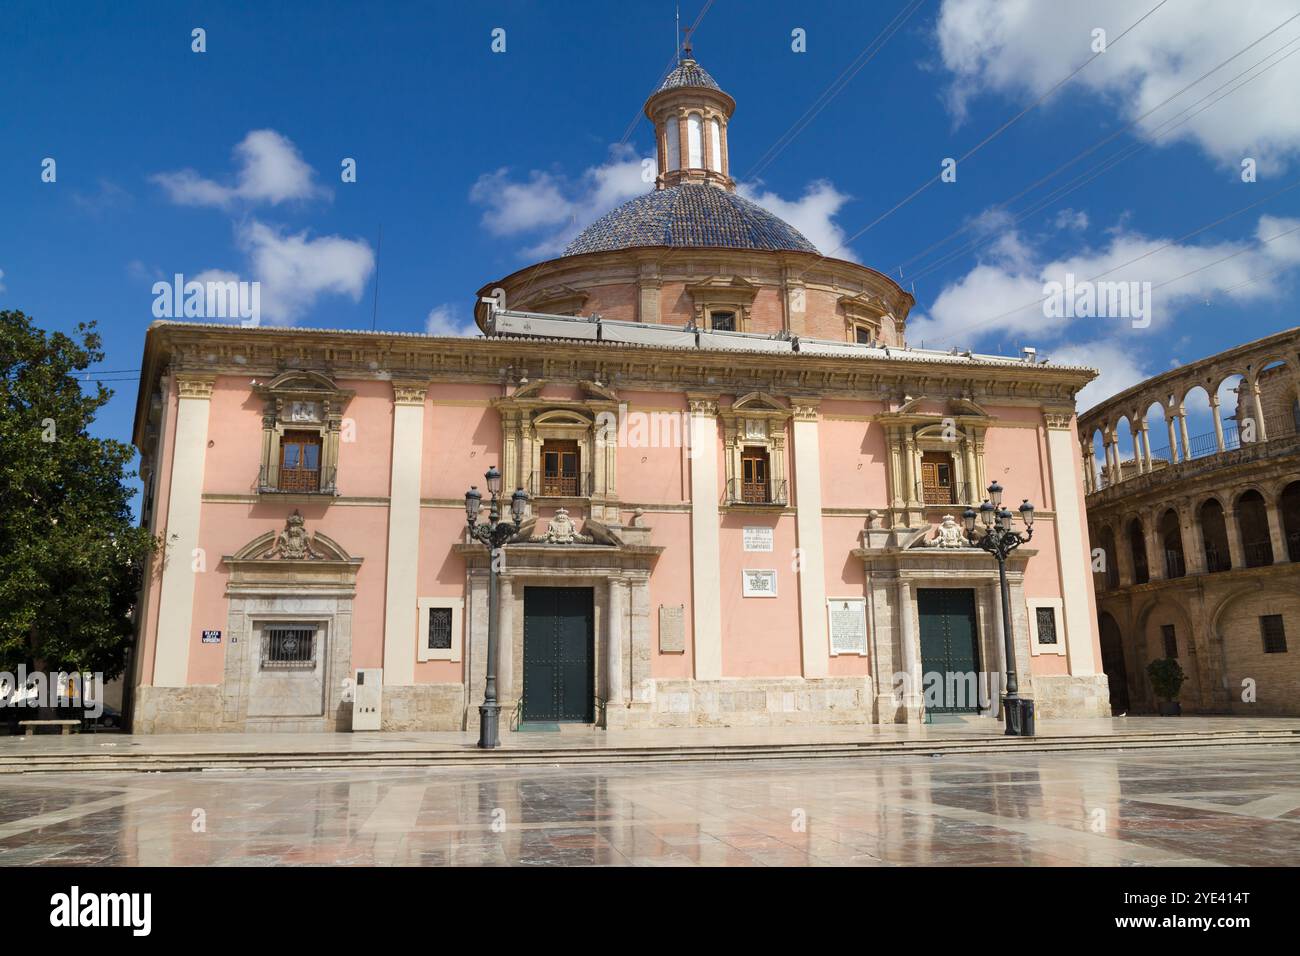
(559, 658)
(949, 649)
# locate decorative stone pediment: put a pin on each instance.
(561, 530)
(301, 400)
(292, 557)
(731, 293)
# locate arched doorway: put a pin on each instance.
(1138, 548)
(1214, 532)
(1171, 540)
(1289, 504)
(1112, 662)
(1252, 519)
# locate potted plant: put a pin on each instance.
(1167, 678)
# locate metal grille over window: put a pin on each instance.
(1046, 625)
(1274, 634)
(289, 646)
(439, 628)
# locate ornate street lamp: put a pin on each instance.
(999, 539)
(494, 533)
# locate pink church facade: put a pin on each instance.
(738, 477)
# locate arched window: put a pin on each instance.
(694, 142)
(715, 142)
(674, 158)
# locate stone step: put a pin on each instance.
(418, 759)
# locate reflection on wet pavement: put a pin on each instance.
(1233, 806)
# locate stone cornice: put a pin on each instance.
(204, 351)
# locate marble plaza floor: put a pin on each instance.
(1195, 806)
(583, 737)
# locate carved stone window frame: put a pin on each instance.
(528, 419)
(1058, 609)
(755, 420)
(864, 311)
(289, 391)
(423, 651)
(721, 293)
(910, 433)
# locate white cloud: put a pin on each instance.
(979, 303)
(270, 170)
(295, 270)
(445, 319)
(1074, 220)
(812, 214)
(556, 206)
(1022, 49)
(1119, 368)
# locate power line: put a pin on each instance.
(1149, 253)
(1105, 166)
(836, 87)
(987, 139)
(1133, 123)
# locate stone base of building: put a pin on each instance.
(748, 702)
(423, 707)
(1064, 695)
(204, 709)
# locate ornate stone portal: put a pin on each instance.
(300, 586)
(615, 562)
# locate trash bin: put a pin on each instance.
(1019, 716)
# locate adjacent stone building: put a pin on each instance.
(741, 488)
(1196, 537)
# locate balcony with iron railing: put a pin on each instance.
(1282, 437)
(1175, 566)
(957, 493)
(542, 484)
(758, 494)
(1258, 553)
(299, 481)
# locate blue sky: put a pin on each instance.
(475, 163)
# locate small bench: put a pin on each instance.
(65, 726)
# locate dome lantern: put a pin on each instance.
(690, 113)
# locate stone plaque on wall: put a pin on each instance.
(755, 583)
(672, 628)
(757, 538)
(847, 618)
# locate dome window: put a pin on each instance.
(715, 142)
(694, 142)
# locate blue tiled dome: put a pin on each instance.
(690, 214)
(688, 73)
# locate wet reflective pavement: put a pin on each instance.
(1230, 806)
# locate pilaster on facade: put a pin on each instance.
(402, 589)
(184, 505)
(814, 638)
(706, 582)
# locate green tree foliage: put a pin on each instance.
(71, 557)
(1167, 678)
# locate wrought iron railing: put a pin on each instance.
(1214, 561)
(756, 492)
(1258, 553)
(289, 647)
(1175, 566)
(957, 493)
(299, 481)
(542, 484)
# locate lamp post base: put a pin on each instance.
(489, 716)
(1018, 713)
